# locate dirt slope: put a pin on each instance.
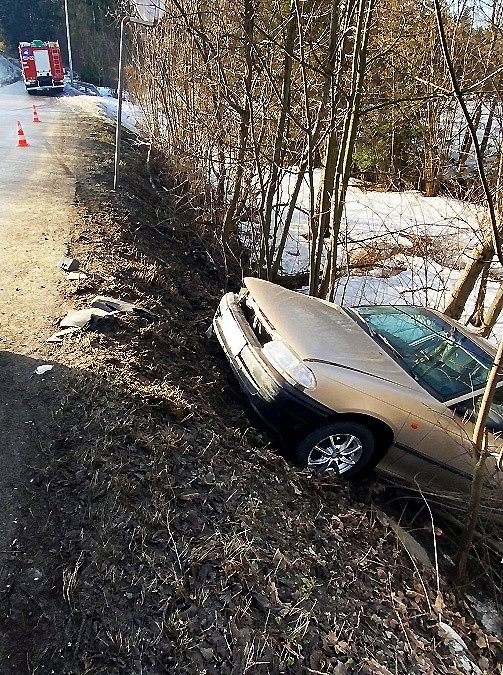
(163, 534)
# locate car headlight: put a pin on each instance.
(285, 361)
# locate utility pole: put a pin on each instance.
(70, 63)
(120, 89)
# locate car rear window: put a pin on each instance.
(435, 353)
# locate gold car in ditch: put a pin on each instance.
(350, 389)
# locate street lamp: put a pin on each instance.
(70, 63)
(153, 11)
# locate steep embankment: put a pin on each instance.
(165, 534)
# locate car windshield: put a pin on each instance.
(438, 356)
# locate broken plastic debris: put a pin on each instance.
(102, 312)
(113, 305)
(76, 276)
(68, 264)
(82, 317)
(58, 337)
(40, 370)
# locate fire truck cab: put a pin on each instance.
(42, 66)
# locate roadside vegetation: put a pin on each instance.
(320, 92)
(237, 100)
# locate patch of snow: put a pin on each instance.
(132, 114)
(398, 218)
(489, 615)
(9, 71)
(107, 92)
(106, 107)
(40, 370)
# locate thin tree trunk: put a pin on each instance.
(346, 147)
(314, 139)
(321, 221)
(321, 226)
(488, 126)
(467, 141)
(244, 127)
(477, 317)
(266, 220)
(480, 454)
(430, 187)
(492, 313)
(481, 255)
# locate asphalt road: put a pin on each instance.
(37, 189)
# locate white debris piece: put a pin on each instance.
(76, 276)
(40, 370)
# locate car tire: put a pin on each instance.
(344, 449)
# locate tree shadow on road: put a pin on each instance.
(29, 401)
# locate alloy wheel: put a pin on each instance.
(335, 454)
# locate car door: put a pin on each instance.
(433, 449)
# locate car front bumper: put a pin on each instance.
(281, 405)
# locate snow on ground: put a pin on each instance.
(132, 114)
(393, 224)
(106, 107)
(415, 247)
(372, 218)
(9, 71)
(107, 92)
(489, 615)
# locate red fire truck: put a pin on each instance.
(42, 66)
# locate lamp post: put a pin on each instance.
(70, 63)
(120, 88)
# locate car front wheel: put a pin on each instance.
(342, 448)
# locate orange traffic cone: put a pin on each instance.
(35, 115)
(21, 140)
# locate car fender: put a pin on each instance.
(351, 392)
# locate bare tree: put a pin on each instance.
(345, 146)
(479, 262)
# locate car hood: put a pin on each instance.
(321, 331)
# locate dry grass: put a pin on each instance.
(178, 541)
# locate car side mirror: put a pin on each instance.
(494, 420)
(464, 409)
